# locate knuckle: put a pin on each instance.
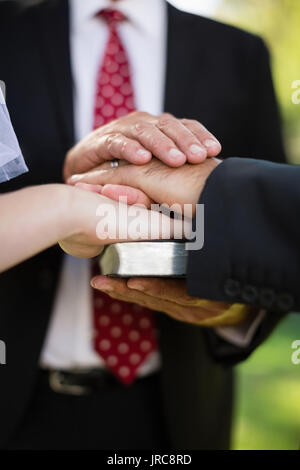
(140, 128)
(124, 146)
(165, 121)
(111, 140)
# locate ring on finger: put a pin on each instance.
(114, 163)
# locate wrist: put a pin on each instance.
(67, 223)
(198, 178)
(210, 165)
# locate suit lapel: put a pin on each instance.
(53, 25)
(182, 63)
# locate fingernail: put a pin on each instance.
(143, 153)
(97, 285)
(210, 143)
(94, 283)
(96, 188)
(74, 178)
(197, 150)
(175, 154)
(133, 285)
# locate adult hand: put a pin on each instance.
(85, 235)
(170, 296)
(138, 136)
(153, 181)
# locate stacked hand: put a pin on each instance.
(177, 175)
(152, 182)
(138, 136)
(80, 221)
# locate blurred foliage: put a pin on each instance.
(268, 405)
(278, 22)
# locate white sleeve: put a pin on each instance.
(242, 335)
(12, 163)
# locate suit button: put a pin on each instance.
(249, 294)
(232, 288)
(285, 302)
(267, 298)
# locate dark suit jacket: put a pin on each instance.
(216, 74)
(252, 251)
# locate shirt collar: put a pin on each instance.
(145, 14)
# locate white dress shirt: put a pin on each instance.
(69, 342)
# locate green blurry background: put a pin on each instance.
(278, 22)
(268, 399)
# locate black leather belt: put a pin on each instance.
(80, 382)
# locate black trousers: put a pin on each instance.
(118, 418)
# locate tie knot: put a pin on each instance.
(111, 17)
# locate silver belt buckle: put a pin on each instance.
(56, 382)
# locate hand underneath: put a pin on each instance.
(153, 181)
(169, 296)
(84, 210)
(138, 136)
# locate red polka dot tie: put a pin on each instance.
(124, 332)
(114, 96)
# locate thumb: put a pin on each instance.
(133, 195)
(92, 188)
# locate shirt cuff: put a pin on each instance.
(243, 334)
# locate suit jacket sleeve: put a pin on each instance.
(251, 252)
(264, 140)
